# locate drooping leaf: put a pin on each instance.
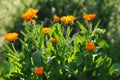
(49, 59)
(103, 44)
(99, 31)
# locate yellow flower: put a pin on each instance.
(56, 19)
(89, 17)
(45, 30)
(90, 46)
(39, 71)
(67, 19)
(11, 36)
(29, 14)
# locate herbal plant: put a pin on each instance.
(52, 53)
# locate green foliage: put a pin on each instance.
(106, 10)
(67, 59)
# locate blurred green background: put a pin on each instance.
(107, 10)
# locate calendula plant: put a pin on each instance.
(52, 53)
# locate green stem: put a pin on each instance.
(13, 47)
(46, 38)
(36, 32)
(90, 27)
(40, 78)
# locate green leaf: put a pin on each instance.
(73, 37)
(103, 44)
(94, 73)
(49, 59)
(111, 70)
(116, 67)
(95, 28)
(23, 42)
(8, 48)
(5, 68)
(24, 34)
(100, 31)
(82, 27)
(97, 25)
(37, 58)
(68, 31)
(11, 56)
(67, 68)
(19, 75)
(99, 61)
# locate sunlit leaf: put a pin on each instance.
(111, 70)
(82, 27)
(103, 44)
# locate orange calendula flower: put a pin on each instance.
(11, 36)
(45, 30)
(89, 17)
(53, 40)
(67, 19)
(90, 46)
(56, 19)
(29, 14)
(39, 71)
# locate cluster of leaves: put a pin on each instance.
(65, 59)
(103, 9)
(107, 10)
